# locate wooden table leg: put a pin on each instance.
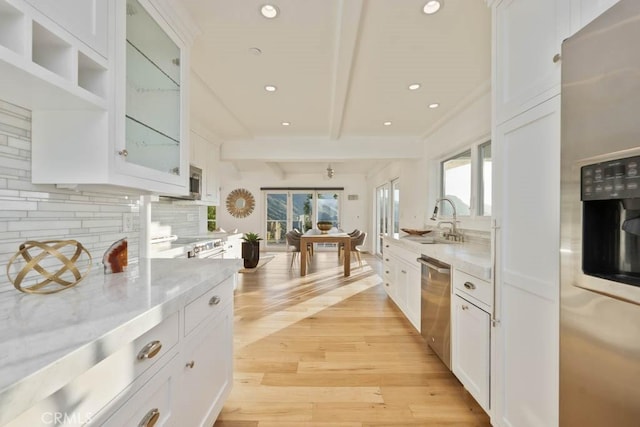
(303, 259)
(347, 258)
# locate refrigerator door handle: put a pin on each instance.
(495, 321)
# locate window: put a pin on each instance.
(300, 209)
(456, 184)
(382, 214)
(484, 188)
(211, 218)
(395, 207)
(466, 180)
(387, 212)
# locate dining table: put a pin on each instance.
(307, 239)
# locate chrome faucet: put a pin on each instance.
(453, 232)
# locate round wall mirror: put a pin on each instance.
(240, 203)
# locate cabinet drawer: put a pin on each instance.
(152, 404)
(85, 396)
(208, 304)
(469, 285)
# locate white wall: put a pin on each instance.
(355, 213)
(419, 179)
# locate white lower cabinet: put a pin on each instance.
(471, 348)
(402, 281)
(389, 265)
(408, 275)
(94, 394)
(207, 356)
(178, 373)
(233, 247)
(207, 371)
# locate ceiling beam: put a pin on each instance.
(348, 33)
(310, 149)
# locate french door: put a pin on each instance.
(299, 209)
(382, 216)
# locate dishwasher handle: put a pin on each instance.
(437, 268)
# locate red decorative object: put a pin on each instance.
(116, 258)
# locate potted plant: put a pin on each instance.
(251, 249)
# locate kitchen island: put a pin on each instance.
(117, 349)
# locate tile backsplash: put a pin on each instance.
(45, 212)
(184, 219)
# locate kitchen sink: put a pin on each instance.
(438, 240)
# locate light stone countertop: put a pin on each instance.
(178, 250)
(48, 340)
(472, 258)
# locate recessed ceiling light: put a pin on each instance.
(432, 6)
(270, 88)
(434, 105)
(286, 123)
(387, 123)
(414, 86)
(269, 11)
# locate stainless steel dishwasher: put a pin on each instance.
(435, 315)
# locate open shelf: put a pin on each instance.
(12, 32)
(52, 53)
(92, 76)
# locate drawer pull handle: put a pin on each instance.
(191, 364)
(150, 350)
(150, 419)
(465, 307)
(469, 285)
(123, 153)
(386, 259)
(215, 300)
(403, 271)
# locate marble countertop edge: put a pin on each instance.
(24, 381)
(473, 259)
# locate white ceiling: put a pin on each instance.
(342, 68)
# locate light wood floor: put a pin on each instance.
(325, 350)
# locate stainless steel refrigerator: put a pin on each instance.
(600, 222)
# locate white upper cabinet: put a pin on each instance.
(584, 11)
(153, 133)
(54, 56)
(527, 42)
(140, 140)
(206, 156)
(84, 19)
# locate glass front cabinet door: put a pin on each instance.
(154, 142)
